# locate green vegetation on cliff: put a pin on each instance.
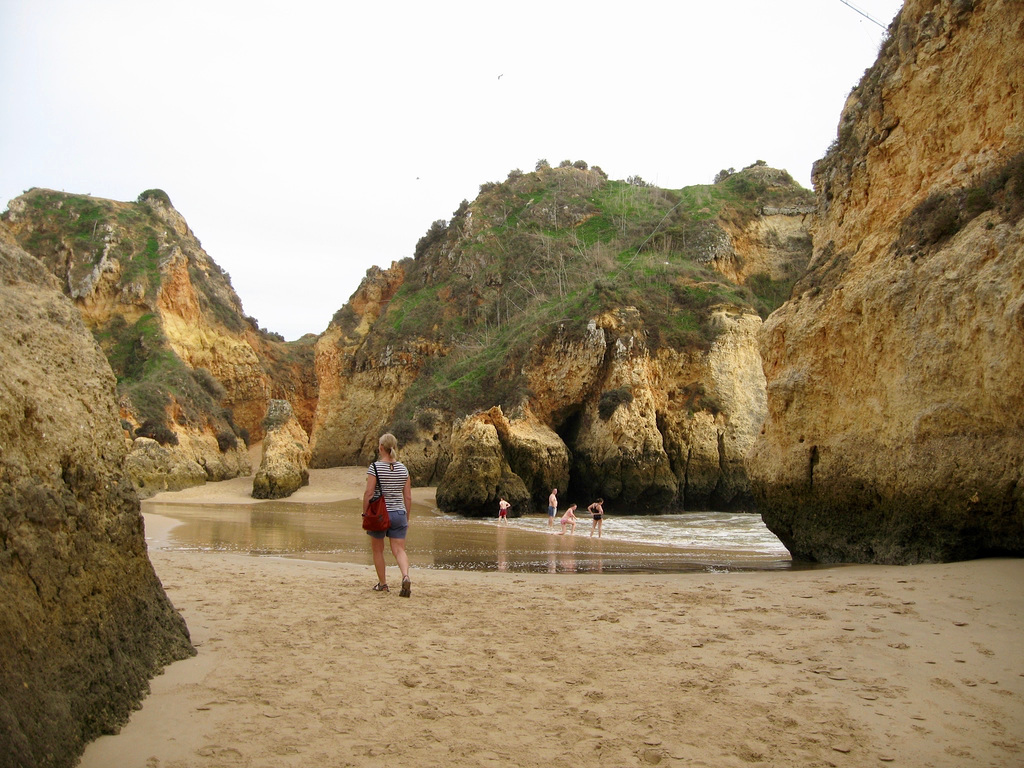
(113, 258)
(550, 250)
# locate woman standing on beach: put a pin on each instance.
(597, 511)
(397, 489)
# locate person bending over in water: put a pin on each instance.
(597, 511)
(569, 518)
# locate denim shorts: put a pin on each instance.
(397, 529)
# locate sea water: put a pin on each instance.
(691, 541)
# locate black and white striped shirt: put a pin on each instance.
(392, 481)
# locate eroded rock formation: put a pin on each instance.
(896, 417)
(153, 468)
(285, 464)
(479, 473)
(647, 432)
(358, 395)
(85, 621)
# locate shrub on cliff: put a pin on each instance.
(346, 319)
(434, 235)
(157, 430)
(403, 430)
(226, 441)
(209, 383)
(154, 194)
(943, 214)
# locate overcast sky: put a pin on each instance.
(306, 141)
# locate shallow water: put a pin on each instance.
(695, 541)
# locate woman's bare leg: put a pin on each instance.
(398, 550)
(377, 547)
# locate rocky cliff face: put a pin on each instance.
(770, 240)
(647, 430)
(359, 388)
(85, 622)
(636, 380)
(896, 415)
(194, 372)
(619, 402)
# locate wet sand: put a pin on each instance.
(301, 664)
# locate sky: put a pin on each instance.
(305, 142)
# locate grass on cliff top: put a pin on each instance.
(493, 299)
(90, 227)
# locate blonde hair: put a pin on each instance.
(390, 443)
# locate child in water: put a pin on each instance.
(569, 518)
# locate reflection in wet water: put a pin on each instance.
(707, 541)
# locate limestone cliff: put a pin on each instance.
(359, 389)
(896, 418)
(768, 242)
(85, 621)
(193, 371)
(636, 378)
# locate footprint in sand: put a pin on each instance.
(216, 750)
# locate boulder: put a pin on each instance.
(285, 464)
(153, 468)
(535, 453)
(479, 474)
(85, 621)
(219, 461)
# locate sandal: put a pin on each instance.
(381, 588)
(406, 588)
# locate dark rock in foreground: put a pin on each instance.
(84, 620)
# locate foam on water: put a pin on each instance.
(713, 531)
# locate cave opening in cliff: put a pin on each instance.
(568, 430)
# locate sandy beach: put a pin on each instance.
(301, 664)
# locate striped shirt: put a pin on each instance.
(392, 481)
